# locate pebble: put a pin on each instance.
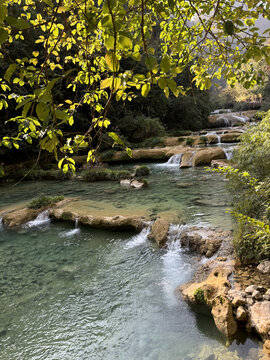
(250, 289)
(257, 295)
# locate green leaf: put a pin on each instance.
(162, 83)
(129, 152)
(145, 89)
(3, 35)
(109, 42)
(150, 62)
(91, 156)
(112, 61)
(125, 42)
(17, 23)
(10, 71)
(116, 138)
(42, 110)
(165, 64)
(62, 115)
(229, 27)
(3, 12)
(106, 83)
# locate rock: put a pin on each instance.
(204, 241)
(16, 218)
(212, 139)
(186, 160)
(250, 289)
(257, 295)
(184, 185)
(219, 163)
(238, 301)
(100, 222)
(205, 156)
(249, 301)
(264, 267)
(223, 317)
(135, 184)
(266, 348)
(241, 314)
(230, 137)
(159, 231)
(213, 292)
(260, 318)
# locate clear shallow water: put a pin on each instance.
(69, 293)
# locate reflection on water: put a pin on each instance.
(78, 293)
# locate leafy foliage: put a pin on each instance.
(43, 201)
(81, 47)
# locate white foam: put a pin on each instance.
(173, 161)
(228, 152)
(70, 233)
(138, 239)
(1, 224)
(42, 219)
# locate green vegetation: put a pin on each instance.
(43, 201)
(129, 68)
(190, 141)
(102, 174)
(250, 188)
(203, 139)
(199, 296)
(142, 171)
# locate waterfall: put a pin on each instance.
(174, 160)
(218, 137)
(138, 239)
(228, 152)
(71, 232)
(41, 219)
(1, 223)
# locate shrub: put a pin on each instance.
(181, 139)
(44, 200)
(142, 171)
(101, 174)
(140, 127)
(199, 296)
(189, 141)
(203, 139)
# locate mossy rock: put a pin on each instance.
(43, 201)
(142, 171)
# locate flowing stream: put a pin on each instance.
(75, 293)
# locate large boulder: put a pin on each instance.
(159, 232)
(205, 156)
(186, 160)
(260, 318)
(212, 292)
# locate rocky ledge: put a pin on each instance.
(213, 287)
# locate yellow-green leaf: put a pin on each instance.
(112, 61)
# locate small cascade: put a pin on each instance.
(1, 224)
(228, 152)
(42, 219)
(172, 269)
(227, 122)
(174, 160)
(72, 232)
(218, 137)
(138, 239)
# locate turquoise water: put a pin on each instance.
(71, 294)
